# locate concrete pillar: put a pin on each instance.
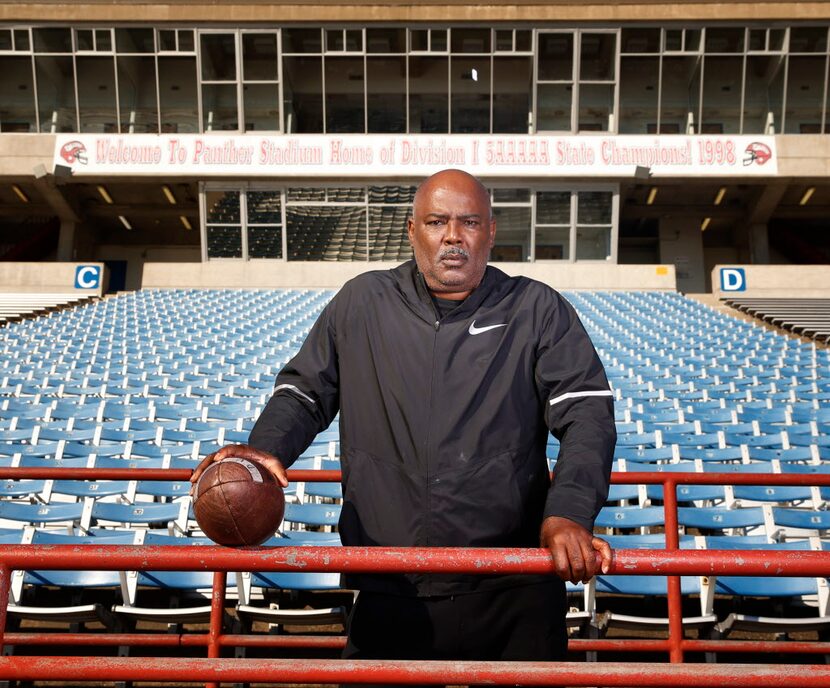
(66, 241)
(681, 243)
(758, 244)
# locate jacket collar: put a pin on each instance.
(413, 287)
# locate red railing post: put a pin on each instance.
(675, 600)
(217, 615)
(5, 584)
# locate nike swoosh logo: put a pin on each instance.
(478, 330)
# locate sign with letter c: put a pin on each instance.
(87, 276)
(732, 279)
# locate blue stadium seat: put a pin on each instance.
(623, 493)
(52, 462)
(79, 449)
(773, 494)
(11, 536)
(312, 514)
(720, 519)
(812, 522)
(629, 517)
(332, 491)
(801, 440)
(130, 435)
(276, 614)
(755, 441)
(790, 589)
(679, 467)
(187, 587)
(162, 490)
(27, 584)
(818, 468)
(784, 455)
(692, 440)
(315, 537)
(79, 435)
(644, 455)
(132, 462)
(71, 515)
(91, 488)
(14, 489)
(689, 493)
(652, 587)
(645, 439)
(755, 467)
(173, 515)
(714, 454)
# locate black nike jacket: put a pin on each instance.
(444, 421)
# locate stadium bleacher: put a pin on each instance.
(807, 317)
(16, 305)
(159, 378)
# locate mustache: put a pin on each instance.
(454, 251)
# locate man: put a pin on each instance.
(447, 375)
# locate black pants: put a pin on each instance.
(520, 623)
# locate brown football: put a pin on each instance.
(238, 502)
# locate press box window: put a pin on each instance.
(138, 40)
(14, 39)
(513, 40)
(93, 40)
(344, 40)
(176, 40)
(428, 40)
(264, 224)
(223, 223)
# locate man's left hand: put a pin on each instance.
(577, 555)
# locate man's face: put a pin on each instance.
(451, 232)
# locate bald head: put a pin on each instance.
(454, 179)
(452, 231)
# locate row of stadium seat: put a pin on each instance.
(774, 522)
(120, 599)
(250, 592)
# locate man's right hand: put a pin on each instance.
(242, 451)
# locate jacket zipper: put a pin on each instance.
(428, 486)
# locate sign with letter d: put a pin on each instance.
(732, 279)
(87, 276)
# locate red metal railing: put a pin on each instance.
(670, 561)
(408, 672)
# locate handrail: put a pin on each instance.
(327, 476)
(410, 672)
(386, 560)
(671, 562)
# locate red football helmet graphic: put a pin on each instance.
(74, 151)
(757, 152)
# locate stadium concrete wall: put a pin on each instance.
(136, 256)
(773, 281)
(803, 156)
(22, 153)
(275, 274)
(429, 10)
(51, 278)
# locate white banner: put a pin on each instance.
(383, 156)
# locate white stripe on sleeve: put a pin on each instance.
(575, 395)
(297, 391)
